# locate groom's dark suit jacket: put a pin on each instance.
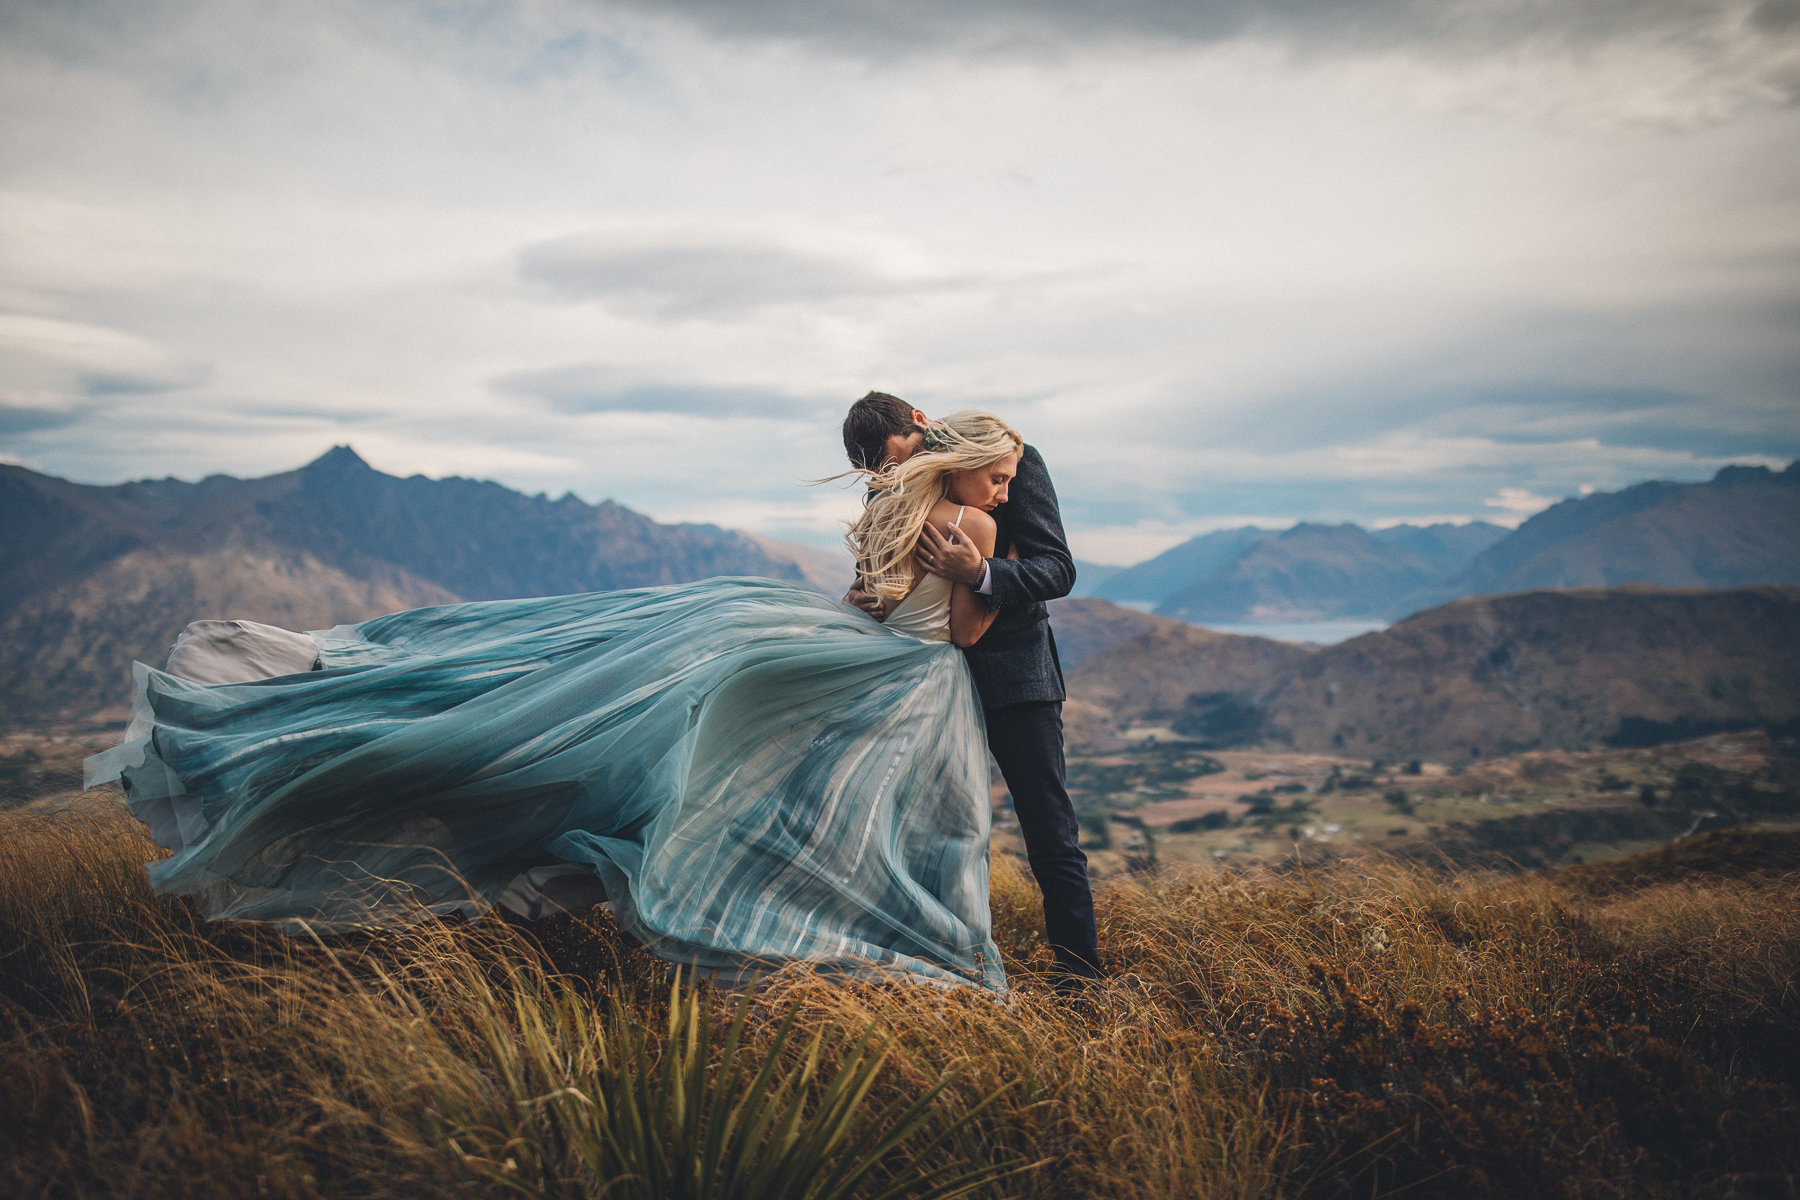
(1015, 661)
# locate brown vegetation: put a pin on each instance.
(1372, 1031)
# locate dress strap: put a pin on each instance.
(961, 509)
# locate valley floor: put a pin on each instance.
(1154, 798)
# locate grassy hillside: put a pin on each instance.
(1357, 1032)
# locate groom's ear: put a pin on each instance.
(919, 418)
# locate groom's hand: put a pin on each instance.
(876, 606)
(952, 556)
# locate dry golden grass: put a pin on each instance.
(1371, 1032)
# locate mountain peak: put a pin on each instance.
(338, 458)
(1320, 527)
(1752, 475)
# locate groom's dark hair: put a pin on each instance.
(871, 421)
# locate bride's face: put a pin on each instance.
(984, 487)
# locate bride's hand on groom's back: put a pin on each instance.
(869, 602)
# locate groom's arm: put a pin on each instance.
(1044, 569)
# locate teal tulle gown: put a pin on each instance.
(756, 774)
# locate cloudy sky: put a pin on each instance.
(1223, 262)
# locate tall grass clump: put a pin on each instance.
(1376, 1030)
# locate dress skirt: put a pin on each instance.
(756, 774)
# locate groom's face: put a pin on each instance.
(902, 446)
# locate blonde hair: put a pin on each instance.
(901, 495)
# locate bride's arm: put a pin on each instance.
(969, 614)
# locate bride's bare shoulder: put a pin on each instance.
(942, 513)
(975, 523)
(946, 512)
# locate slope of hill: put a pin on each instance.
(1445, 547)
(1542, 670)
(66, 653)
(94, 577)
(1740, 530)
(1550, 670)
(1154, 675)
(1089, 576)
(1155, 580)
(828, 571)
(1084, 626)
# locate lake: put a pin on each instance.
(1322, 633)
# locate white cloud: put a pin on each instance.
(62, 364)
(1516, 504)
(698, 273)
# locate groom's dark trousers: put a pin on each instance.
(1027, 741)
(1021, 685)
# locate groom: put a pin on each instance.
(1014, 664)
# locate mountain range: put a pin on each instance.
(1740, 529)
(93, 577)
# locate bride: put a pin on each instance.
(755, 774)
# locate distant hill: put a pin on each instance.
(1477, 677)
(1170, 668)
(93, 577)
(66, 653)
(1085, 626)
(1738, 530)
(1305, 573)
(1443, 547)
(1089, 576)
(1155, 580)
(828, 571)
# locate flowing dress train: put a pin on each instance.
(756, 774)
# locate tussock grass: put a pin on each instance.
(1375, 1030)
